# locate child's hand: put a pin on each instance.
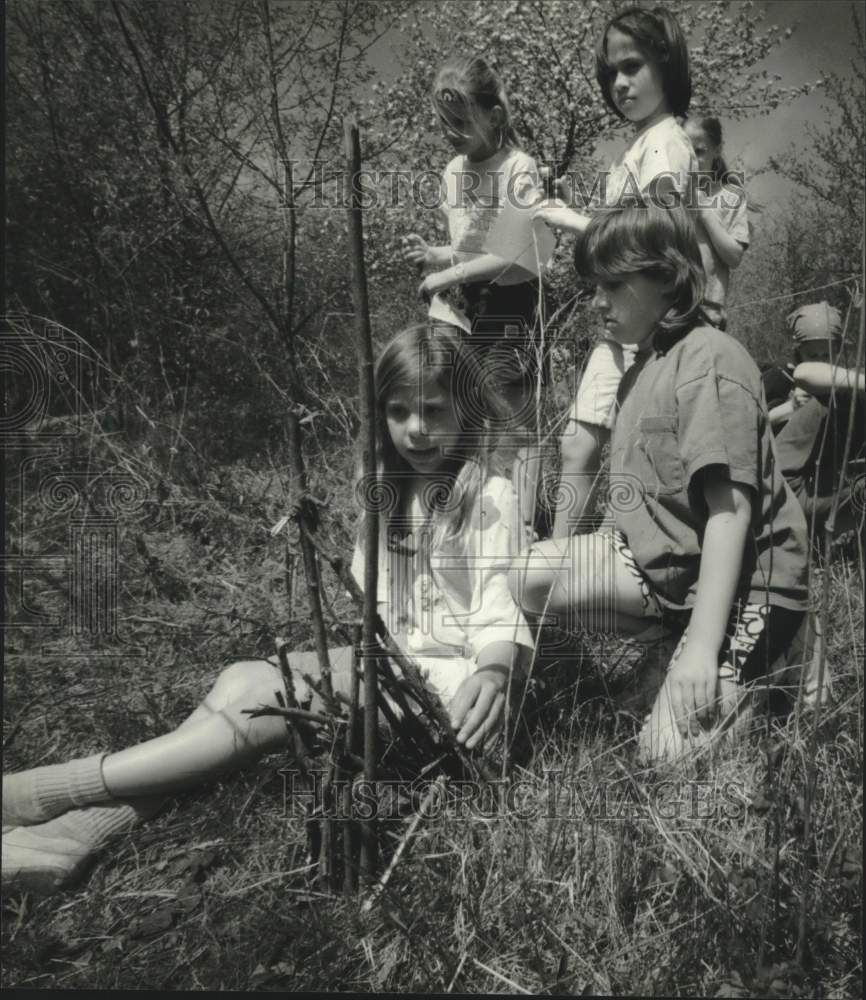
(555, 213)
(431, 285)
(419, 252)
(799, 397)
(477, 708)
(691, 686)
(416, 250)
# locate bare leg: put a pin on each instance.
(580, 580)
(127, 787)
(216, 738)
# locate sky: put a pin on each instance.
(820, 43)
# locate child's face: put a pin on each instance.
(705, 151)
(422, 425)
(635, 84)
(631, 308)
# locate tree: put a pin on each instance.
(826, 223)
(544, 52)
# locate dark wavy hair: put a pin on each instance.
(436, 354)
(653, 241)
(712, 129)
(658, 35)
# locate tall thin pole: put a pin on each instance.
(371, 521)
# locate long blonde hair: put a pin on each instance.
(464, 89)
(437, 355)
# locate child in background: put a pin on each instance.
(810, 446)
(490, 189)
(723, 232)
(713, 541)
(491, 268)
(443, 589)
(642, 67)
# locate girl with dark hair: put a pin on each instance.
(642, 68)
(446, 547)
(723, 230)
(706, 535)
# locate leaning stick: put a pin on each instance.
(379, 887)
(371, 519)
(350, 845)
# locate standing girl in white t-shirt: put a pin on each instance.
(720, 201)
(490, 190)
(642, 67)
(490, 270)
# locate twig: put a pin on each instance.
(498, 975)
(294, 713)
(351, 855)
(371, 519)
(379, 887)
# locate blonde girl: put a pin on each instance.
(444, 558)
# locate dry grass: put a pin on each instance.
(699, 895)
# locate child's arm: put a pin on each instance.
(579, 476)
(821, 378)
(555, 213)
(484, 267)
(779, 414)
(729, 249)
(692, 680)
(478, 705)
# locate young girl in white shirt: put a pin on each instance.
(490, 190)
(446, 548)
(722, 210)
(491, 269)
(642, 68)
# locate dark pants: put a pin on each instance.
(504, 320)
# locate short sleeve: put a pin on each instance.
(595, 402)
(719, 423)
(667, 154)
(448, 189)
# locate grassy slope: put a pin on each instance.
(213, 894)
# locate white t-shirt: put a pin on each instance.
(659, 150)
(489, 205)
(446, 606)
(656, 151)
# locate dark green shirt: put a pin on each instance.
(697, 404)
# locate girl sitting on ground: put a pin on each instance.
(446, 548)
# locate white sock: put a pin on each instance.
(42, 793)
(52, 855)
